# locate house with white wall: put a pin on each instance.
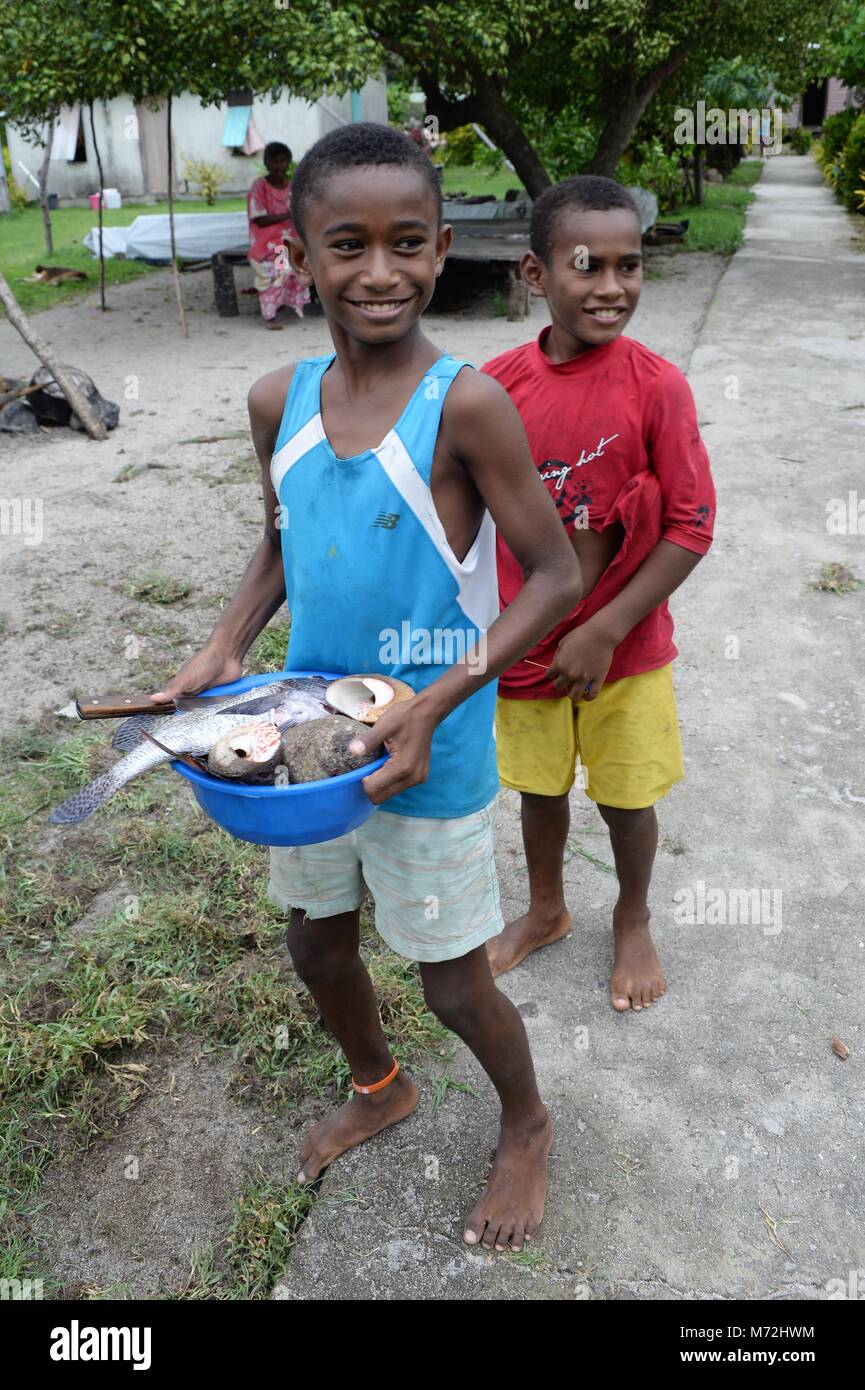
(133, 145)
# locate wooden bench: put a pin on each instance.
(494, 242)
(500, 244)
(223, 264)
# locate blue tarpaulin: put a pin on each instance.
(236, 121)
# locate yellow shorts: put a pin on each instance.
(627, 742)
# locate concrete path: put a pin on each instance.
(712, 1146)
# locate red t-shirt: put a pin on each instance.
(595, 424)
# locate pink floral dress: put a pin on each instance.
(275, 281)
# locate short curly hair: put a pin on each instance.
(587, 192)
(274, 147)
(351, 147)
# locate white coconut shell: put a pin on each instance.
(366, 697)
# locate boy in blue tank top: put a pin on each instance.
(387, 467)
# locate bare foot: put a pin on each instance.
(512, 1206)
(638, 979)
(358, 1119)
(524, 935)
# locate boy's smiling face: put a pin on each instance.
(593, 276)
(373, 247)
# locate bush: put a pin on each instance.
(399, 107)
(18, 196)
(462, 146)
(800, 139)
(565, 146)
(649, 166)
(833, 136)
(209, 177)
(852, 177)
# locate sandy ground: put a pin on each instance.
(193, 512)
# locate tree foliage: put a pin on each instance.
(515, 66)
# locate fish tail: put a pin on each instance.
(90, 798)
(85, 802)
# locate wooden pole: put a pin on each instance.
(177, 288)
(43, 188)
(101, 250)
(78, 402)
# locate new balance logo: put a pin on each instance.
(387, 519)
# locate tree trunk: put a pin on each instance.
(43, 189)
(615, 137)
(509, 136)
(486, 107)
(101, 182)
(698, 175)
(625, 110)
(79, 404)
(177, 287)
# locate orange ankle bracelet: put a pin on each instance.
(377, 1085)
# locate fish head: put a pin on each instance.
(247, 752)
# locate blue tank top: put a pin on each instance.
(372, 583)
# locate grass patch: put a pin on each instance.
(836, 578)
(22, 248)
(718, 223)
(192, 950)
(266, 1222)
(267, 652)
(461, 178)
(244, 469)
(154, 587)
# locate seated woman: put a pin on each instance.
(269, 205)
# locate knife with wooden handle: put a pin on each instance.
(119, 706)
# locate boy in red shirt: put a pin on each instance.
(613, 432)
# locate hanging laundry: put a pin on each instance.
(66, 133)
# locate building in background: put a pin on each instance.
(819, 100)
(133, 146)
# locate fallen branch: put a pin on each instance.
(20, 391)
(77, 401)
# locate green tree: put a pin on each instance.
(848, 51)
(52, 56)
(514, 66)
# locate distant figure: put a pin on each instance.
(416, 131)
(269, 205)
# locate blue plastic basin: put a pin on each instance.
(305, 814)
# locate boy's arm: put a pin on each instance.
(262, 589)
(484, 430)
(585, 655)
(678, 457)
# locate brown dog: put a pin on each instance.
(55, 274)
